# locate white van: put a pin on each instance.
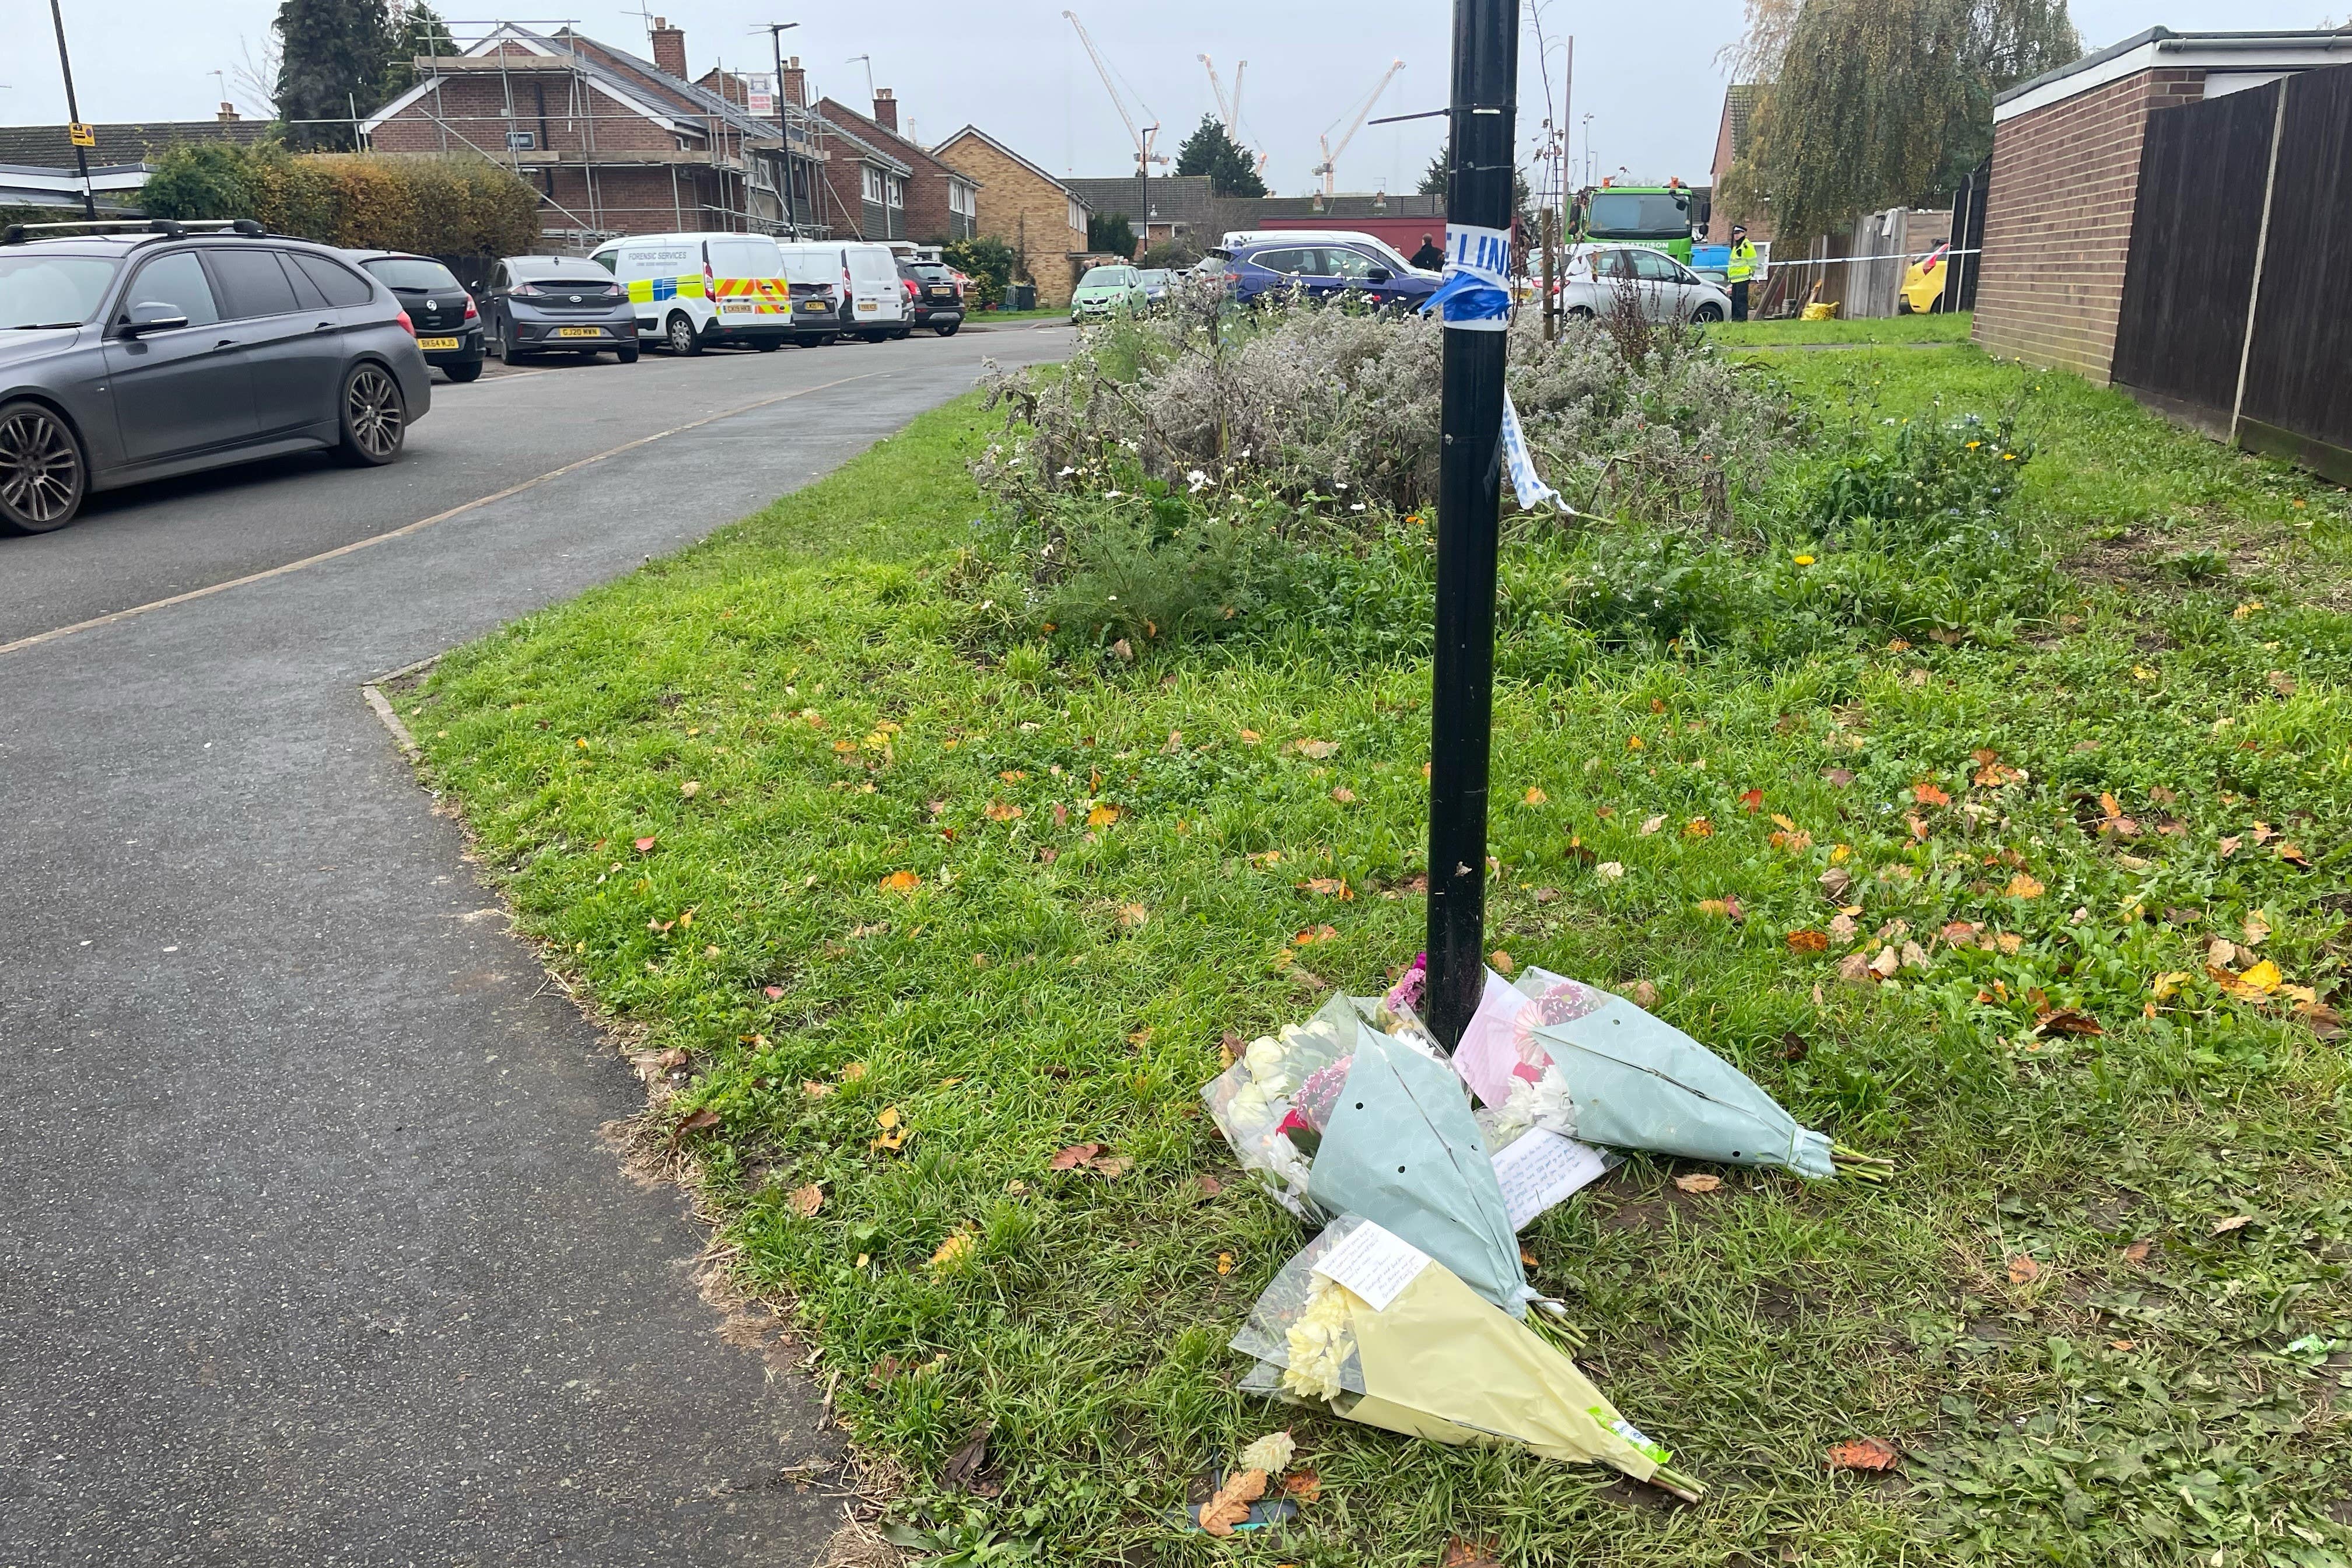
(692, 290)
(873, 299)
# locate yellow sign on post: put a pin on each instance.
(82, 135)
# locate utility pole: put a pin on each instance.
(1484, 113)
(73, 112)
(776, 31)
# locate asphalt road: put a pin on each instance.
(310, 1251)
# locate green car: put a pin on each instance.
(1105, 292)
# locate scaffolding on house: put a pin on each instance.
(769, 183)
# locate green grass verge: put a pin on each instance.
(1951, 329)
(1048, 314)
(795, 712)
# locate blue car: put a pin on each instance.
(1324, 269)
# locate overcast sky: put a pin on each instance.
(1645, 73)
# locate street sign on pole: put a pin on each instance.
(1475, 307)
(81, 135)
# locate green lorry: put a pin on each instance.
(1660, 217)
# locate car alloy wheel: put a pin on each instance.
(41, 476)
(682, 336)
(374, 414)
(1710, 311)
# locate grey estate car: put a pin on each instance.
(127, 356)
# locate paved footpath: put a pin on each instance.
(310, 1251)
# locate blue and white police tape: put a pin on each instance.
(1476, 295)
(1533, 494)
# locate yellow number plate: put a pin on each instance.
(437, 343)
(578, 333)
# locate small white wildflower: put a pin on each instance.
(1066, 471)
(1113, 495)
(1357, 507)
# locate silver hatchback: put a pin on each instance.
(134, 356)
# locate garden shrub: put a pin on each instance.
(433, 204)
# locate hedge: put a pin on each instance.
(435, 205)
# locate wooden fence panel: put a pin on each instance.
(2191, 270)
(2299, 374)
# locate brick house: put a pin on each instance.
(1172, 208)
(2066, 174)
(1038, 216)
(929, 202)
(1731, 140)
(615, 143)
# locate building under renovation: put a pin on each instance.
(616, 144)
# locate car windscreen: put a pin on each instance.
(868, 263)
(1103, 277)
(754, 257)
(411, 272)
(1639, 215)
(1156, 275)
(811, 267)
(52, 290)
(557, 270)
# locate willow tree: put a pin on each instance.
(1880, 103)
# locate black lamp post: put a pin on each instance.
(1477, 199)
(776, 31)
(73, 112)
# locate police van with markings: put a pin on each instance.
(692, 291)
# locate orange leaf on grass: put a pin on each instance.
(1808, 942)
(901, 882)
(1076, 1155)
(1864, 1454)
(1752, 801)
(807, 1200)
(1929, 794)
(2023, 1270)
(646, 844)
(1302, 1486)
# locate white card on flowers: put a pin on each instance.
(1372, 1263)
(1540, 1168)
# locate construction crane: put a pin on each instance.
(1225, 114)
(1355, 123)
(1144, 156)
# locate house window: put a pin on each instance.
(523, 140)
(961, 198)
(898, 190)
(872, 182)
(1077, 215)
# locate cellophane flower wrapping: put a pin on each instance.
(1556, 1053)
(1356, 1112)
(1436, 1361)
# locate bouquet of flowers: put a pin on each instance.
(1366, 1325)
(1554, 1053)
(1342, 1116)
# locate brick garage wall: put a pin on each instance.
(1029, 214)
(2065, 178)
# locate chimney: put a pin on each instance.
(886, 109)
(795, 83)
(228, 115)
(669, 47)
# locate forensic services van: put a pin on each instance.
(692, 290)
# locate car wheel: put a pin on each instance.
(947, 330)
(510, 350)
(1580, 312)
(626, 355)
(902, 334)
(767, 346)
(683, 338)
(1710, 311)
(374, 417)
(470, 371)
(827, 340)
(42, 476)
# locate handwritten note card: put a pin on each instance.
(1540, 1168)
(1372, 1263)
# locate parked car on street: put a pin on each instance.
(1156, 281)
(1324, 271)
(548, 304)
(133, 352)
(1355, 239)
(1107, 292)
(692, 291)
(1600, 278)
(936, 296)
(448, 326)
